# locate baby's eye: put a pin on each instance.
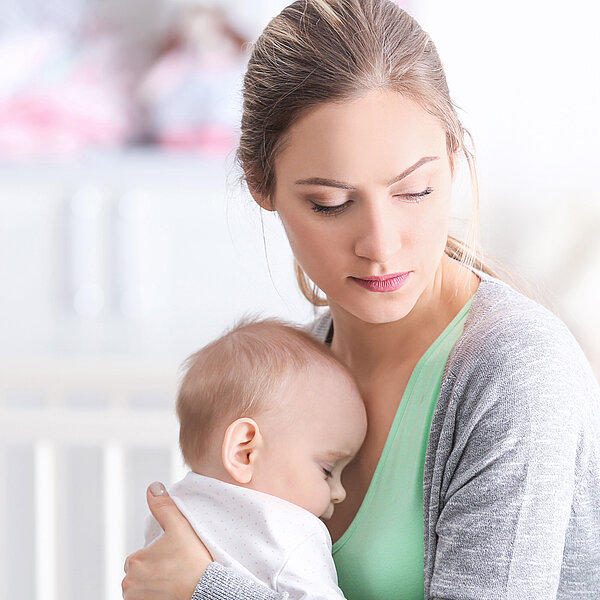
(327, 472)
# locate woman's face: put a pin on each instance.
(363, 190)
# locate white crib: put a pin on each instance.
(80, 441)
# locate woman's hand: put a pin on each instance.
(170, 567)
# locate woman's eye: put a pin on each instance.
(330, 210)
(415, 197)
(339, 208)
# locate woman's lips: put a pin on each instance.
(384, 283)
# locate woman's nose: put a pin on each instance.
(379, 237)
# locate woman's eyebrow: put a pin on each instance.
(346, 186)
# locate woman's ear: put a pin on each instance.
(262, 200)
(240, 445)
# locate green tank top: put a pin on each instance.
(381, 554)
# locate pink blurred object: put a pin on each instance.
(190, 94)
(215, 140)
(67, 100)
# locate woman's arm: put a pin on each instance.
(519, 421)
(225, 584)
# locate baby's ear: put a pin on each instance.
(240, 444)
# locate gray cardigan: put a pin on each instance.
(512, 470)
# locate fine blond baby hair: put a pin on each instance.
(243, 373)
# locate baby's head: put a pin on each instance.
(268, 407)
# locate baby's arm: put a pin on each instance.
(309, 571)
(225, 584)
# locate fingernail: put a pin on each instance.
(157, 489)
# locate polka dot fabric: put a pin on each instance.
(264, 537)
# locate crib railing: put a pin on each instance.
(53, 415)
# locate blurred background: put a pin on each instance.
(126, 242)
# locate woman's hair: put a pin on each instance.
(318, 51)
(244, 373)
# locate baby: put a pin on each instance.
(268, 421)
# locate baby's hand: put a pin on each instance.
(170, 567)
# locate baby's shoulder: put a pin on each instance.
(295, 523)
(271, 521)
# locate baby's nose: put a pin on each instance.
(338, 494)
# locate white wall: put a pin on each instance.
(527, 76)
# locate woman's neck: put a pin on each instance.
(375, 350)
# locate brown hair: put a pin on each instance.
(318, 51)
(240, 374)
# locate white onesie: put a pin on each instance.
(269, 539)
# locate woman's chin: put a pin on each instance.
(378, 310)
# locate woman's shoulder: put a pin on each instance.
(503, 321)
(319, 326)
(512, 343)
(498, 308)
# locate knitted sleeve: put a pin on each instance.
(521, 402)
(220, 583)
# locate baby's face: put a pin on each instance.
(305, 454)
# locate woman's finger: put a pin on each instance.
(171, 566)
(163, 508)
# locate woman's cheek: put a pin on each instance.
(312, 242)
(434, 220)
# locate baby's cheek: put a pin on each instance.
(296, 484)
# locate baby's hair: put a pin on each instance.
(240, 374)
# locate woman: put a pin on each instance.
(479, 476)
